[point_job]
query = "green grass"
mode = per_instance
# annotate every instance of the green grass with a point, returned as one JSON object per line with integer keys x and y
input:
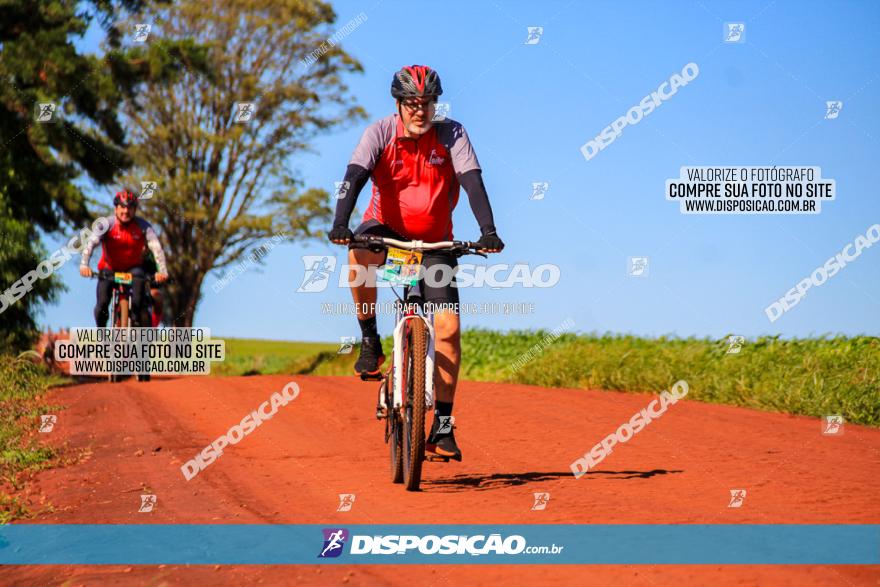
{"x": 21, "y": 384}
{"x": 801, "y": 376}
{"x": 811, "y": 377}
{"x": 269, "y": 357}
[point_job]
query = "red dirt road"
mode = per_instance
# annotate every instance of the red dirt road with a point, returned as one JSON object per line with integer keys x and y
{"x": 132, "y": 438}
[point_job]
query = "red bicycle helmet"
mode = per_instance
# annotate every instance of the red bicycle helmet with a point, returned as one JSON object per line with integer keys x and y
{"x": 126, "y": 198}
{"x": 416, "y": 81}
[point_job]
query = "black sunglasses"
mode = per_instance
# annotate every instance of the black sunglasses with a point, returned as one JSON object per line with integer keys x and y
{"x": 413, "y": 105}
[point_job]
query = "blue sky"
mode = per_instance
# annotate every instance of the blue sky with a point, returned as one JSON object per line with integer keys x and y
{"x": 529, "y": 108}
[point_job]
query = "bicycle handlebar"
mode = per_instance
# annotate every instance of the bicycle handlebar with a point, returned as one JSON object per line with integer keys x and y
{"x": 457, "y": 247}
{"x": 107, "y": 275}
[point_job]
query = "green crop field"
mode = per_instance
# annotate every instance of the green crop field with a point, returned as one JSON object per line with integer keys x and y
{"x": 812, "y": 377}
{"x": 264, "y": 357}
{"x": 803, "y": 376}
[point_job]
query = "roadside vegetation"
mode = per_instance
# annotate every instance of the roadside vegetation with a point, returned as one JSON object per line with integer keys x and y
{"x": 22, "y": 384}
{"x": 264, "y": 357}
{"x": 813, "y": 377}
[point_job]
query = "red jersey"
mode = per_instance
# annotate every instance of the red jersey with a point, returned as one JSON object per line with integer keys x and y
{"x": 124, "y": 245}
{"x": 415, "y": 188}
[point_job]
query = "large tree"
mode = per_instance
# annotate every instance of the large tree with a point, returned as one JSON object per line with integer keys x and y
{"x": 39, "y": 162}
{"x": 224, "y": 186}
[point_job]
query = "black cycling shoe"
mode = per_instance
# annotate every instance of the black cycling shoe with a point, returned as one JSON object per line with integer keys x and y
{"x": 371, "y": 357}
{"x": 443, "y": 444}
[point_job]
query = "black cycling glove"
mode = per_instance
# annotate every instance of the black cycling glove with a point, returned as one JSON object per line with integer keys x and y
{"x": 491, "y": 241}
{"x": 340, "y": 233}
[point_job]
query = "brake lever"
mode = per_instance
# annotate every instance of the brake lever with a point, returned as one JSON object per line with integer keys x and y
{"x": 476, "y": 252}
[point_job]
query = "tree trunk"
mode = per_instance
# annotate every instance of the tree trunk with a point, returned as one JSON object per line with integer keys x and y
{"x": 183, "y": 298}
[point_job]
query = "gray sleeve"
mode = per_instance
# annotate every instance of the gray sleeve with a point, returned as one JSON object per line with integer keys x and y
{"x": 95, "y": 238}
{"x": 370, "y": 147}
{"x": 156, "y": 248}
{"x": 456, "y": 139}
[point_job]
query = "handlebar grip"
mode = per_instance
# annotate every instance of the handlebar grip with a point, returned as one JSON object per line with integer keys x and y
{"x": 366, "y": 238}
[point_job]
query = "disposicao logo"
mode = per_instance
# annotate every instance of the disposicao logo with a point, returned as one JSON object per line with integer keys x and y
{"x": 334, "y": 540}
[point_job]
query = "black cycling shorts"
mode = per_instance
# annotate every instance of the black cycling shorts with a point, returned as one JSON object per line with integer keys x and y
{"x": 445, "y": 294}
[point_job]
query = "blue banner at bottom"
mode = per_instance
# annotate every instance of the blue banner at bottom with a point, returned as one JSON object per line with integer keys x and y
{"x": 149, "y": 544}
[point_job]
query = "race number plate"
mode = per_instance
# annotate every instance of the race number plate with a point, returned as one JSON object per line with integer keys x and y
{"x": 401, "y": 267}
{"x": 123, "y": 278}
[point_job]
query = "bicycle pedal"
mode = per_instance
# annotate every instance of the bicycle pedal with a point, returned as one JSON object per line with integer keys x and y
{"x": 371, "y": 376}
{"x": 434, "y": 458}
{"x": 381, "y": 413}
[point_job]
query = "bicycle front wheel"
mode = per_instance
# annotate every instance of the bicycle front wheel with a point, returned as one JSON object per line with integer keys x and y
{"x": 394, "y": 436}
{"x": 120, "y": 318}
{"x": 414, "y": 409}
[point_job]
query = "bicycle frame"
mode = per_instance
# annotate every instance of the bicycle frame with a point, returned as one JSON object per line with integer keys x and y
{"x": 123, "y": 291}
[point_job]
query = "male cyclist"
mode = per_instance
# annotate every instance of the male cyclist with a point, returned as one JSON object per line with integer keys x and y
{"x": 416, "y": 168}
{"x": 123, "y": 246}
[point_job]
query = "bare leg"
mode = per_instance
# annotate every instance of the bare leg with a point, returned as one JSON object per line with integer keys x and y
{"x": 364, "y": 294}
{"x": 447, "y": 356}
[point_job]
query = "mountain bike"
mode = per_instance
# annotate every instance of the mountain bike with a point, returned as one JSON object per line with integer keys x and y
{"x": 406, "y": 391}
{"x": 120, "y": 304}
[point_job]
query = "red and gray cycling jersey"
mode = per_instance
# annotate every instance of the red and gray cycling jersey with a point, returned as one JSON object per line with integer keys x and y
{"x": 123, "y": 246}
{"x": 415, "y": 188}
